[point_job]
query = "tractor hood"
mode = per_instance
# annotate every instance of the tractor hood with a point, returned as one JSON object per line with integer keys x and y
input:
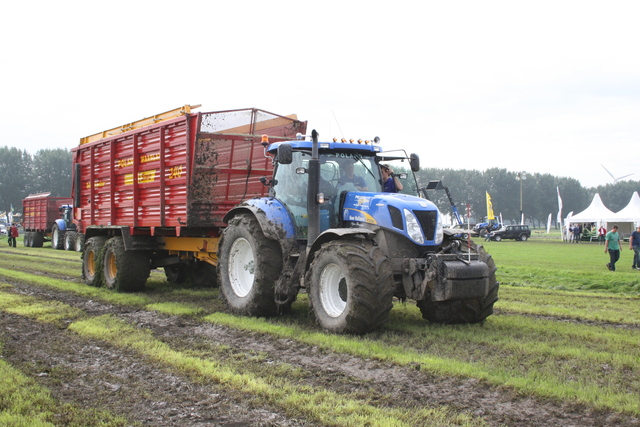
{"x": 416, "y": 218}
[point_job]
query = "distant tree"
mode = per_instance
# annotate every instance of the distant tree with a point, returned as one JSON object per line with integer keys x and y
{"x": 15, "y": 177}
{"x": 616, "y": 196}
{"x": 52, "y": 172}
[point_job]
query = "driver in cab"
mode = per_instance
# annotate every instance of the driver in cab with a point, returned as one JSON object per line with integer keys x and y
{"x": 349, "y": 177}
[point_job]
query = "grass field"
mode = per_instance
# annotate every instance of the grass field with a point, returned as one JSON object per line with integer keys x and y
{"x": 565, "y": 329}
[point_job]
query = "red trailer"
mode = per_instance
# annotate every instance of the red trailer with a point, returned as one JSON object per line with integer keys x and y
{"x": 153, "y": 193}
{"x": 40, "y": 212}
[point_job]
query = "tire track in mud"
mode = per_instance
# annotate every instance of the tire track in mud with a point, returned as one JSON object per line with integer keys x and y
{"x": 396, "y": 386}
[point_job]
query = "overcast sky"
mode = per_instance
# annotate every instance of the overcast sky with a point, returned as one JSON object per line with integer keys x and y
{"x": 549, "y": 87}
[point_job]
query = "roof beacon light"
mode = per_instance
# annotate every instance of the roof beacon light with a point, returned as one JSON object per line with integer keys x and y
{"x": 265, "y": 140}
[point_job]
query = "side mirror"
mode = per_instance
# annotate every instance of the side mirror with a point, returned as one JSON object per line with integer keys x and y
{"x": 414, "y": 161}
{"x": 284, "y": 154}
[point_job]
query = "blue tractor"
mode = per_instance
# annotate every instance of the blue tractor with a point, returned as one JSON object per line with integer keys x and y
{"x": 328, "y": 228}
{"x": 64, "y": 234}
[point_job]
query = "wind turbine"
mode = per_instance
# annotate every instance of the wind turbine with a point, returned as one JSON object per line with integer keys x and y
{"x": 615, "y": 180}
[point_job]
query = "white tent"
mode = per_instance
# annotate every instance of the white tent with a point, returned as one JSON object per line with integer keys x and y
{"x": 596, "y": 212}
{"x": 629, "y": 217}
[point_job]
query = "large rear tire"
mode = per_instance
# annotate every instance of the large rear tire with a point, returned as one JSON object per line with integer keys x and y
{"x": 464, "y": 311}
{"x": 57, "y": 237}
{"x": 350, "y": 285}
{"x": 249, "y": 265}
{"x": 92, "y": 260}
{"x": 124, "y": 271}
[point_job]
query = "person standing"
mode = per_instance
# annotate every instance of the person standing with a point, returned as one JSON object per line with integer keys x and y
{"x": 612, "y": 245}
{"x": 634, "y": 245}
{"x": 601, "y": 233}
{"x": 13, "y": 233}
{"x": 577, "y": 233}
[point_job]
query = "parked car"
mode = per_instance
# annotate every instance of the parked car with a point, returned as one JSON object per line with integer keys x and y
{"x": 517, "y": 232}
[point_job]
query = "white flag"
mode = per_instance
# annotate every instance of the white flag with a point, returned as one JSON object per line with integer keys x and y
{"x": 549, "y": 223}
{"x": 559, "y": 219}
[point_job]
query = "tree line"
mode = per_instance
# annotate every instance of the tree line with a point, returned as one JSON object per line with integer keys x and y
{"x": 21, "y": 174}
{"x": 539, "y": 193}
{"x": 49, "y": 170}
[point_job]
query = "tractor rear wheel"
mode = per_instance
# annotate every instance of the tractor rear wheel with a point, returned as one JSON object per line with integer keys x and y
{"x": 350, "y": 285}
{"x": 249, "y": 265}
{"x": 464, "y": 311}
{"x": 57, "y": 237}
{"x": 124, "y": 271}
{"x": 92, "y": 260}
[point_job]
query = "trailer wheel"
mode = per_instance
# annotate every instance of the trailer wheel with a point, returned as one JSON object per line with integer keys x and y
{"x": 176, "y": 273}
{"x": 249, "y": 265}
{"x": 37, "y": 240}
{"x": 465, "y": 311}
{"x": 124, "y": 271}
{"x": 203, "y": 275}
{"x": 69, "y": 240}
{"x": 92, "y": 257}
{"x": 57, "y": 237}
{"x": 79, "y": 243}
{"x": 350, "y": 285}
{"x": 26, "y": 240}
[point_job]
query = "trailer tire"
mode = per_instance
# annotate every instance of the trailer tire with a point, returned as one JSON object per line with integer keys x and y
{"x": 26, "y": 240}
{"x": 124, "y": 271}
{"x": 79, "y": 243}
{"x": 249, "y": 265}
{"x": 37, "y": 239}
{"x": 203, "y": 275}
{"x": 177, "y": 273}
{"x": 92, "y": 257}
{"x": 69, "y": 240}
{"x": 57, "y": 237}
{"x": 464, "y": 311}
{"x": 350, "y": 285}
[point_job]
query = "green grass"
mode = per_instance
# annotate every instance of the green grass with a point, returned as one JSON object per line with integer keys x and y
{"x": 532, "y": 345}
{"x": 563, "y": 266}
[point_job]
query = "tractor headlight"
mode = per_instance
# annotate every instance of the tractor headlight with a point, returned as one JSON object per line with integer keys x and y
{"x": 439, "y": 231}
{"x": 413, "y": 227}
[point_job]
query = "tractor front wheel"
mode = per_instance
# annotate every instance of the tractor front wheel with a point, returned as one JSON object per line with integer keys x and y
{"x": 350, "y": 286}
{"x": 464, "y": 311}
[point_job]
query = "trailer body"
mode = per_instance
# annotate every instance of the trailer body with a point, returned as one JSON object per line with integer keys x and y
{"x": 164, "y": 188}
{"x": 40, "y": 212}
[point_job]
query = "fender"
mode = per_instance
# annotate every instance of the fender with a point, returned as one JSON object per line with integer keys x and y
{"x": 274, "y": 219}
{"x": 336, "y": 234}
{"x": 62, "y": 226}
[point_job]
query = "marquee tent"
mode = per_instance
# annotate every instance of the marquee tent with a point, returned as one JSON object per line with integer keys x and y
{"x": 628, "y": 217}
{"x": 596, "y": 212}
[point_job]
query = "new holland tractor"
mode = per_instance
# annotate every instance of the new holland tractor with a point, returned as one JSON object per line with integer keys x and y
{"x": 328, "y": 228}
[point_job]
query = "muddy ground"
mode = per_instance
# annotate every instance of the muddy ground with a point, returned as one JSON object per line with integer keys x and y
{"x": 92, "y": 373}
